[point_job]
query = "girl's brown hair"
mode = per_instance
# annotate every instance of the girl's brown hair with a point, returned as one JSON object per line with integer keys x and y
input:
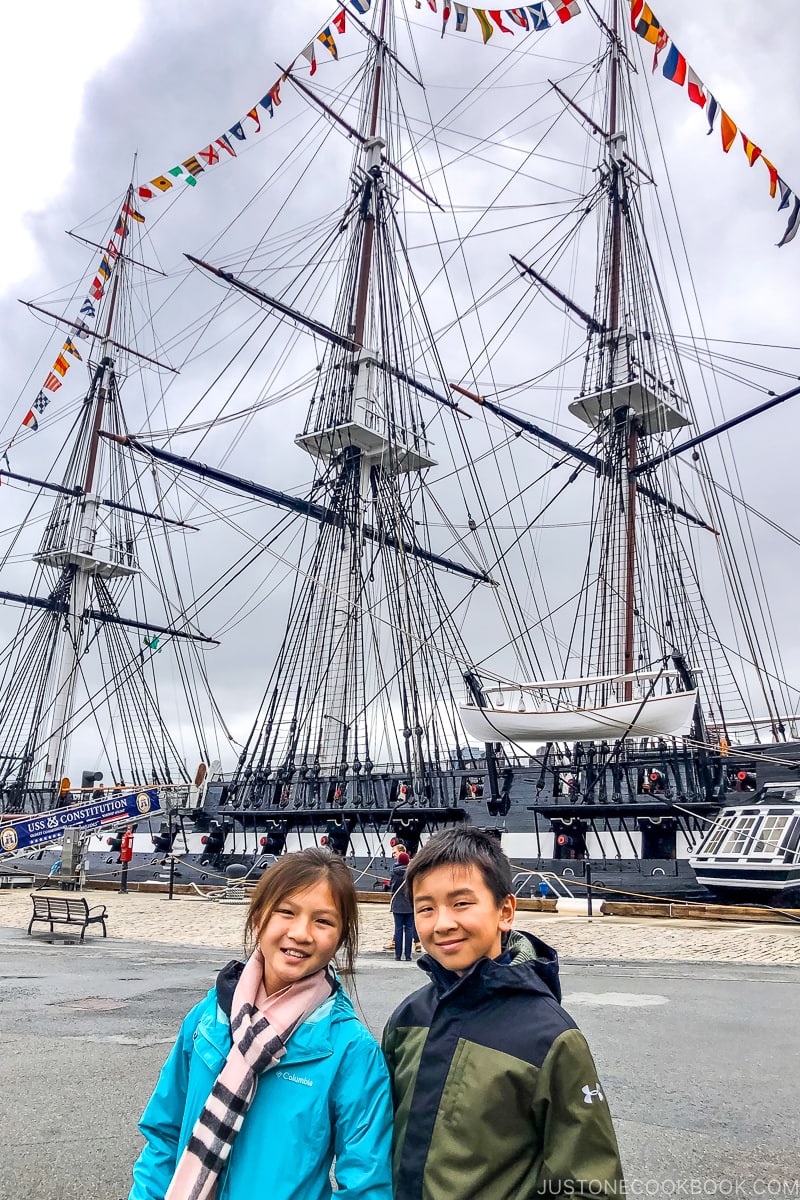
{"x": 297, "y": 873}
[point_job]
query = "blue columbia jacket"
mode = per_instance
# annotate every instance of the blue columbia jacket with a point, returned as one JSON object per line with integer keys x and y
{"x": 329, "y": 1096}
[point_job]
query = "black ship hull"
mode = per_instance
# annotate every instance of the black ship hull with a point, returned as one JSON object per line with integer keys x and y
{"x": 635, "y": 821}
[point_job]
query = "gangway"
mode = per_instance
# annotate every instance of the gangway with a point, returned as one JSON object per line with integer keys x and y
{"x": 558, "y": 885}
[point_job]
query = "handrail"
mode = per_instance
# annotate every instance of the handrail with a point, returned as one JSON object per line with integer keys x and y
{"x": 548, "y": 877}
{"x": 588, "y": 681}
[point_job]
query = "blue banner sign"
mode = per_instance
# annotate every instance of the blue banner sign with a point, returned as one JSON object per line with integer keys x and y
{"x": 49, "y": 827}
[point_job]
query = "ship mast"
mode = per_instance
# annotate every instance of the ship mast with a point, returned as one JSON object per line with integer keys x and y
{"x": 334, "y": 746}
{"x": 373, "y": 147}
{"x": 366, "y": 440}
{"x": 78, "y": 556}
{"x": 358, "y": 706}
{"x": 626, "y": 401}
{"x": 616, "y": 141}
{"x": 76, "y": 661}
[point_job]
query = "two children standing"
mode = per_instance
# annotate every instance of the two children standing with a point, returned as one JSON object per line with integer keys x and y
{"x": 485, "y": 1088}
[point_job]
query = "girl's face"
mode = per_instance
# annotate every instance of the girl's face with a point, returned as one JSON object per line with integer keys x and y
{"x": 301, "y": 936}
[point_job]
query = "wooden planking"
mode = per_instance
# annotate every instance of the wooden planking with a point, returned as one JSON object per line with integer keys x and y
{"x": 702, "y": 912}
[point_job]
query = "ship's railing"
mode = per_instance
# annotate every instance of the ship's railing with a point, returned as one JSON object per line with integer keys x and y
{"x": 534, "y": 694}
{"x": 373, "y": 417}
{"x": 558, "y": 886}
{"x": 179, "y": 796}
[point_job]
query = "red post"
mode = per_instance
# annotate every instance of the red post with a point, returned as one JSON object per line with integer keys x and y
{"x": 125, "y": 856}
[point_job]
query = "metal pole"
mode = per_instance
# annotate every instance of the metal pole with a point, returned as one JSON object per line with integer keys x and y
{"x": 82, "y": 865}
{"x": 171, "y": 860}
{"x": 588, "y": 889}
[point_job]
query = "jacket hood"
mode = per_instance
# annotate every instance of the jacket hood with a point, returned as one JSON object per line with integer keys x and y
{"x": 229, "y": 977}
{"x": 526, "y": 964}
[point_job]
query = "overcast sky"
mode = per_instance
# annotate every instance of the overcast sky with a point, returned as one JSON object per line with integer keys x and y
{"x": 62, "y": 80}
{"x": 86, "y": 89}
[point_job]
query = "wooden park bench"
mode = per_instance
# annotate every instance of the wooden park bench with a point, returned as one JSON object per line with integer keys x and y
{"x": 67, "y": 910}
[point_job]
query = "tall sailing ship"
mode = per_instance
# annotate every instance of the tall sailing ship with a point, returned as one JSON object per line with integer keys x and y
{"x": 436, "y": 662}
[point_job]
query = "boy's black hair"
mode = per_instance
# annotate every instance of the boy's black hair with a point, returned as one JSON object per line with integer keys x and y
{"x": 464, "y": 847}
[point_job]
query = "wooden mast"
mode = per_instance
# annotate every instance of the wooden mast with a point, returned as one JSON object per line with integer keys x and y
{"x": 106, "y": 367}
{"x": 81, "y": 554}
{"x": 369, "y": 217}
{"x": 617, "y": 336}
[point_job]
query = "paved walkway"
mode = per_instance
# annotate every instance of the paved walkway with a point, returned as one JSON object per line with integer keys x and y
{"x": 199, "y": 922}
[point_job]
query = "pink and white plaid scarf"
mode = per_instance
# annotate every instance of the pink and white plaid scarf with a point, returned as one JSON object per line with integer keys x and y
{"x": 261, "y": 1026}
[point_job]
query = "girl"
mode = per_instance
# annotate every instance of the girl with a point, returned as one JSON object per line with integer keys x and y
{"x": 273, "y": 1075}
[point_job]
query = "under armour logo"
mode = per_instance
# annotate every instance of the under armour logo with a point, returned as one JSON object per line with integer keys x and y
{"x": 590, "y": 1093}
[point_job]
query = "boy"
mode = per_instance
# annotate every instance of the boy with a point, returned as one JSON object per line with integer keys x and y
{"x": 496, "y": 1095}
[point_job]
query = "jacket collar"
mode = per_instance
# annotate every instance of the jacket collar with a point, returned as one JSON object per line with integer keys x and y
{"x": 230, "y": 975}
{"x": 310, "y": 1040}
{"x": 526, "y": 964}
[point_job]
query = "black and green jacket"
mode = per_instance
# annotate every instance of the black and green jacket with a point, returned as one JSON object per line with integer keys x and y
{"x": 496, "y": 1094}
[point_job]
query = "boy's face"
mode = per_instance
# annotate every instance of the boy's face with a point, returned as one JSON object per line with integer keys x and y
{"x": 457, "y": 917}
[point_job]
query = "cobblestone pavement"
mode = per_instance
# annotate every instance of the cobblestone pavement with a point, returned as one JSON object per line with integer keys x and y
{"x": 198, "y": 922}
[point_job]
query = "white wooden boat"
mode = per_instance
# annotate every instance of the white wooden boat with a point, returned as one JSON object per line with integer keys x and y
{"x": 531, "y": 717}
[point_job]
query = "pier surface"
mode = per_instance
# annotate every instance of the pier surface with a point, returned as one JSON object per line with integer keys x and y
{"x": 194, "y": 921}
{"x": 693, "y": 1027}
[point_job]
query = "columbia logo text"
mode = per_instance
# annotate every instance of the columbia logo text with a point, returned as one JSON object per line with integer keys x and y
{"x": 291, "y": 1078}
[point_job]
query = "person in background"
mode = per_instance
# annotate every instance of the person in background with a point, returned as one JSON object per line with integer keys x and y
{"x": 402, "y": 909}
{"x": 273, "y": 1076}
{"x": 399, "y": 848}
